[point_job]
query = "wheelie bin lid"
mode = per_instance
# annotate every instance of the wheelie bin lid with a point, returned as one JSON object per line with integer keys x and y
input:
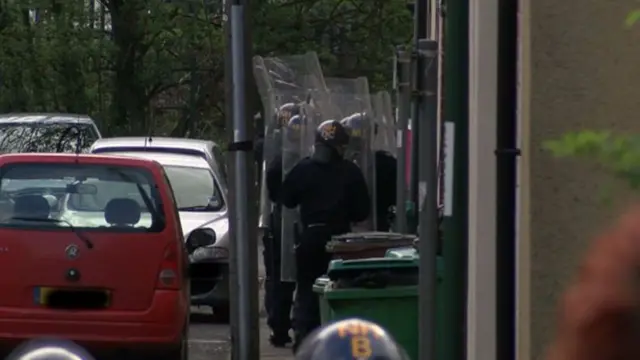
{"x": 371, "y": 263}
{"x": 350, "y": 278}
{"x": 372, "y": 236}
{"x": 333, "y": 293}
{"x": 346, "y": 268}
{"x": 368, "y": 240}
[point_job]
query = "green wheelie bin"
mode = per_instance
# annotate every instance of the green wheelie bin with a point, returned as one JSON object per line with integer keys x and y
{"x": 382, "y": 290}
{"x": 319, "y": 288}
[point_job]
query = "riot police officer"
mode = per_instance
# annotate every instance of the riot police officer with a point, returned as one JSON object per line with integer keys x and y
{"x": 331, "y": 194}
{"x": 385, "y": 170}
{"x": 386, "y": 182}
{"x": 49, "y": 349}
{"x": 278, "y": 294}
{"x": 351, "y": 339}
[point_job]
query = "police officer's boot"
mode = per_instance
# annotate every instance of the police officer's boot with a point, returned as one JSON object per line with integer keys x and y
{"x": 279, "y": 340}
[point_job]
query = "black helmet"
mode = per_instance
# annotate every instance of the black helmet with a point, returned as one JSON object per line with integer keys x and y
{"x": 50, "y": 349}
{"x": 332, "y": 133}
{"x": 350, "y": 339}
{"x": 285, "y": 112}
{"x": 355, "y": 124}
{"x": 294, "y": 127}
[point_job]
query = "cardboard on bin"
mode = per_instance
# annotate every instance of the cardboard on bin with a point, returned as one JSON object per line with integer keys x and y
{"x": 368, "y": 240}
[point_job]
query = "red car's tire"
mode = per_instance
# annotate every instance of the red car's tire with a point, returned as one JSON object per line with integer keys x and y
{"x": 179, "y": 353}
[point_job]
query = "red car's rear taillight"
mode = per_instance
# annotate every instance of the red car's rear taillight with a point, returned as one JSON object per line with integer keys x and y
{"x": 169, "y": 277}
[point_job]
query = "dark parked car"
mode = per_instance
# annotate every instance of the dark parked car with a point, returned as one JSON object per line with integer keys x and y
{"x": 46, "y": 133}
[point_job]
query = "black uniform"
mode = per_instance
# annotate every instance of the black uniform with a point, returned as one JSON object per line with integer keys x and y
{"x": 386, "y": 168}
{"x": 278, "y": 294}
{"x": 331, "y": 194}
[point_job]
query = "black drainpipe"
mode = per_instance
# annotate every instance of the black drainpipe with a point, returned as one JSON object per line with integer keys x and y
{"x": 506, "y": 153}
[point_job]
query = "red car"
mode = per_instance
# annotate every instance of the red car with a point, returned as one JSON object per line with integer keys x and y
{"x": 91, "y": 250}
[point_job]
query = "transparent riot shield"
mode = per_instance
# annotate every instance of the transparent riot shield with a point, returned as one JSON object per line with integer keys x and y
{"x": 383, "y": 142}
{"x": 351, "y": 100}
{"x": 388, "y": 124}
{"x": 377, "y": 139}
{"x": 296, "y": 84}
{"x": 272, "y": 132}
{"x": 384, "y": 131}
{"x": 377, "y": 143}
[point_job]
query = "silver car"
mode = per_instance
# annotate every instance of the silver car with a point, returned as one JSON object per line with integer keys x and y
{"x": 200, "y": 191}
{"x": 208, "y": 150}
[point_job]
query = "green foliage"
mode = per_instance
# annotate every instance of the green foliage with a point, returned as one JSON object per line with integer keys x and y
{"x": 632, "y": 18}
{"x": 618, "y": 153}
{"x": 141, "y": 64}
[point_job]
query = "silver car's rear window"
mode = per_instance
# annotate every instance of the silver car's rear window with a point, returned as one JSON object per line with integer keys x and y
{"x": 46, "y": 137}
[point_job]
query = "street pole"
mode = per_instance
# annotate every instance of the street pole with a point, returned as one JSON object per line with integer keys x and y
{"x": 456, "y": 148}
{"x": 420, "y": 27}
{"x": 403, "y": 100}
{"x": 428, "y": 190}
{"x": 243, "y": 269}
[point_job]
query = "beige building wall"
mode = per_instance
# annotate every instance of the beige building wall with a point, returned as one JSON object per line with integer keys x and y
{"x": 580, "y": 69}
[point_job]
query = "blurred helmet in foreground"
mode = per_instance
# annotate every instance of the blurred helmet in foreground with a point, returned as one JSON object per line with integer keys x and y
{"x": 348, "y": 340}
{"x": 50, "y": 349}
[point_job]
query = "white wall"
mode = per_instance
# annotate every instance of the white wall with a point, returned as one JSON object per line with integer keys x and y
{"x": 483, "y": 66}
{"x": 523, "y": 228}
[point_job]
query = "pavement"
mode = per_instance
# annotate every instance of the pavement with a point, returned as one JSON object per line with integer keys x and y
{"x": 209, "y": 339}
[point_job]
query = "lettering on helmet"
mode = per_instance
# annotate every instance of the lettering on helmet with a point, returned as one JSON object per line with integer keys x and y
{"x": 360, "y": 335}
{"x": 356, "y": 132}
{"x": 284, "y": 116}
{"x": 357, "y": 328}
{"x": 361, "y": 347}
{"x": 328, "y": 132}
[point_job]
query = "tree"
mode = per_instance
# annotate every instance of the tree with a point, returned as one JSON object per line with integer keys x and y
{"x": 157, "y": 65}
{"x": 352, "y": 37}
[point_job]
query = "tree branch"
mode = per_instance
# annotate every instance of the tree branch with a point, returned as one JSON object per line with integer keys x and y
{"x": 160, "y": 88}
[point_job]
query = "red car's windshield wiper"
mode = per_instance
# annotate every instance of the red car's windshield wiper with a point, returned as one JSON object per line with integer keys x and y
{"x": 79, "y": 234}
